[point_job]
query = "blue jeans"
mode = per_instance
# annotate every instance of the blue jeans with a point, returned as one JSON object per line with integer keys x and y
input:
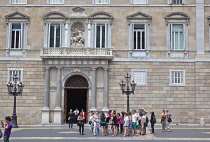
{"x": 6, "y": 138}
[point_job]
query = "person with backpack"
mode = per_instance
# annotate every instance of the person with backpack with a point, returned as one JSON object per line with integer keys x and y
{"x": 153, "y": 121}
{"x": 168, "y": 120}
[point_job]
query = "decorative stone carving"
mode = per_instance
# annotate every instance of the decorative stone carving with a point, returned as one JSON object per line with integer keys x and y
{"x": 78, "y": 12}
{"x": 77, "y": 37}
{"x": 69, "y": 71}
{"x": 77, "y": 81}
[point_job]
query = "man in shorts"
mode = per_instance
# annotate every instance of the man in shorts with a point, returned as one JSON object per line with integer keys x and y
{"x": 134, "y": 122}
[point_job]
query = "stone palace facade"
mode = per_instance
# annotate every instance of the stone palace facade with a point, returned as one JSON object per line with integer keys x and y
{"x": 74, "y": 53}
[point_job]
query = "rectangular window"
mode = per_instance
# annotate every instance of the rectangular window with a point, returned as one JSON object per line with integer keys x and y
{"x": 12, "y": 72}
{"x": 139, "y": 37}
{"x": 139, "y": 1}
{"x": 177, "y": 78}
{"x": 55, "y": 36}
{"x": 16, "y": 36}
{"x": 139, "y": 77}
{"x": 177, "y": 37}
{"x": 18, "y": 1}
{"x": 100, "y": 36}
{"x": 101, "y": 1}
{"x": 176, "y": 1}
{"x": 56, "y": 2}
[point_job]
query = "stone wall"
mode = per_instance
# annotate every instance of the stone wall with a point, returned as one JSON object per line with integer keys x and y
{"x": 31, "y": 102}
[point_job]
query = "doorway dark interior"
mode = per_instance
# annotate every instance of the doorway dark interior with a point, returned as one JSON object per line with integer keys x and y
{"x": 76, "y": 98}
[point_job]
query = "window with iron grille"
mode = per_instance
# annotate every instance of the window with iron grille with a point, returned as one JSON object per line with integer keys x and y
{"x": 18, "y": 1}
{"x": 15, "y": 71}
{"x": 101, "y": 1}
{"x": 55, "y": 1}
{"x": 177, "y": 77}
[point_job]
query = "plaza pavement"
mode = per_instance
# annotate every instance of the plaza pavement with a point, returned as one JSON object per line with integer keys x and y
{"x": 61, "y": 133}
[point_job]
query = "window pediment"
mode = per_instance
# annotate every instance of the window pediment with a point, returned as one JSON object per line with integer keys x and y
{"x": 139, "y": 16}
{"x": 177, "y": 16}
{"x": 17, "y": 15}
{"x": 101, "y": 15}
{"x": 54, "y": 15}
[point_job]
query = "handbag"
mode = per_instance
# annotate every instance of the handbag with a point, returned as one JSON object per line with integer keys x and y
{"x": 169, "y": 120}
{"x": 69, "y": 118}
{"x": 1, "y": 134}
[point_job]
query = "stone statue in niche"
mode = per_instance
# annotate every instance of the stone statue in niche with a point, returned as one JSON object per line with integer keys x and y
{"x": 77, "y": 35}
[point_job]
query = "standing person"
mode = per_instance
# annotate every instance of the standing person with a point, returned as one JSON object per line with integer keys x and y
{"x": 126, "y": 124}
{"x": 168, "y": 120}
{"x": 108, "y": 118}
{"x": 84, "y": 114}
{"x": 80, "y": 120}
{"x": 153, "y": 121}
{"x": 7, "y": 128}
{"x": 119, "y": 123}
{"x": 114, "y": 122}
{"x": 130, "y": 123}
{"x": 70, "y": 118}
{"x": 103, "y": 124}
{"x": 95, "y": 123}
{"x": 110, "y": 113}
{"x": 163, "y": 120}
{"x": 91, "y": 122}
{"x": 134, "y": 122}
{"x": 76, "y": 113}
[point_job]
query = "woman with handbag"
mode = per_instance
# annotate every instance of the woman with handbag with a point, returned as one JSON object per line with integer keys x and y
{"x": 71, "y": 118}
{"x": 103, "y": 124}
{"x": 80, "y": 120}
{"x": 163, "y": 120}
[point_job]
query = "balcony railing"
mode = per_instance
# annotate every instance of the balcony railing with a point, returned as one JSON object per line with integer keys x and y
{"x": 68, "y": 52}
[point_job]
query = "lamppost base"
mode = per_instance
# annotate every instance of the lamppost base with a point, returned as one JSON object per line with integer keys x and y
{"x": 14, "y": 121}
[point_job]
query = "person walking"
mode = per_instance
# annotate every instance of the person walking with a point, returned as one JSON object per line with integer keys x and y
{"x": 163, "y": 120}
{"x": 95, "y": 124}
{"x": 80, "y": 120}
{"x": 103, "y": 123}
{"x": 168, "y": 120}
{"x": 7, "y": 125}
{"x": 76, "y": 113}
{"x": 84, "y": 114}
{"x": 70, "y": 118}
{"x": 152, "y": 122}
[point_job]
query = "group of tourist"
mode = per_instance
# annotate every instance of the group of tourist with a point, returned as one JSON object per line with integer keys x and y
{"x": 131, "y": 123}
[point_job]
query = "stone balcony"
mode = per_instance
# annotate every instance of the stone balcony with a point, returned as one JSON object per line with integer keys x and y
{"x": 80, "y": 53}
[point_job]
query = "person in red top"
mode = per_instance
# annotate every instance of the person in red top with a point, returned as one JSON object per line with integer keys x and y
{"x": 84, "y": 115}
{"x": 119, "y": 123}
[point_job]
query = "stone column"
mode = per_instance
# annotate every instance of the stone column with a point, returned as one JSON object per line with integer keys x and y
{"x": 200, "y": 26}
{"x": 58, "y": 110}
{"x": 46, "y": 110}
{"x": 105, "y": 94}
{"x": 93, "y": 91}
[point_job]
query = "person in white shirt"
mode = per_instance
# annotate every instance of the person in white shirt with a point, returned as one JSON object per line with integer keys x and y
{"x": 134, "y": 122}
{"x": 76, "y": 113}
{"x": 126, "y": 124}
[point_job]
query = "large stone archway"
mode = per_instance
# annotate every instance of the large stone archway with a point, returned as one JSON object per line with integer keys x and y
{"x": 75, "y": 94}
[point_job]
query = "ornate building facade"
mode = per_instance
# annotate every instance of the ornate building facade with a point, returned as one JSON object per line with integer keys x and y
{"x": 73, "y": 54}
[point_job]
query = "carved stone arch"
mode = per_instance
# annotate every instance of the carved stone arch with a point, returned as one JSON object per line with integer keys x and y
{"x": 101, "y": 15}
{"x": 139, "y": 16}
{"x": 177, "y": 16}
{"x": 76, "y": 74}
{"x": 55, "y": 15}
{"x": 76, "y": 81}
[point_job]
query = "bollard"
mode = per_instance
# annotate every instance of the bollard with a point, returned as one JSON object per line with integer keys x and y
{"x": 202, "y": 122}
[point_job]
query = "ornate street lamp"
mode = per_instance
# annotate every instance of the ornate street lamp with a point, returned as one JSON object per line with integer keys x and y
{"x": 127, "y": 88}
{"x": 15, "y": 90}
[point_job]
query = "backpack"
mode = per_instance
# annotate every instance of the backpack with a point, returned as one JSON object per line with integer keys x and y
{"x": 154, "y": 120}
{"x": 147, "y": 121}
{"x": 169, "y": 119}
{"x": 1, "y": 134}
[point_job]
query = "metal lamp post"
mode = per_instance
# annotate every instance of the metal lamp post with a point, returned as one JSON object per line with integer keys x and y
{"x": 127, "y": 88}
{"x": 15, "y": 89}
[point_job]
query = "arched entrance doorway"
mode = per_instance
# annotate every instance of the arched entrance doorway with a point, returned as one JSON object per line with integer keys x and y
{"x": 76, "y": 94}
